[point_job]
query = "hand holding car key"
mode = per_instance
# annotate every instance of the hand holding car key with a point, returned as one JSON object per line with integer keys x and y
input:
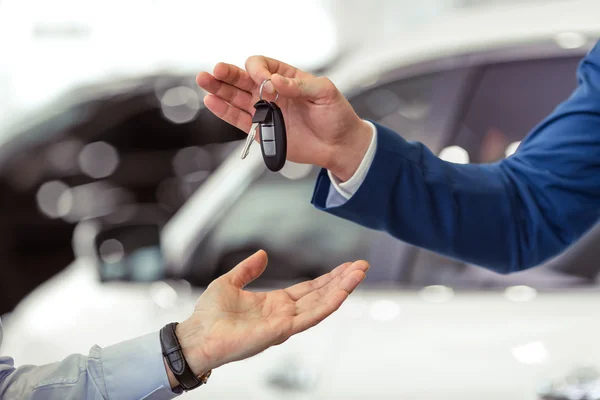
{"x": 321, "y": 126}
{"x": 268, "y": 121}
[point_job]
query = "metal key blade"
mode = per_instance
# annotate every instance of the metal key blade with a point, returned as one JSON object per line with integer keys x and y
{"x": 249, "y": 140}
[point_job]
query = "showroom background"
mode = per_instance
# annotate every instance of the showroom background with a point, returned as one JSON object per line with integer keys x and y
{"x": 123, "y": 197}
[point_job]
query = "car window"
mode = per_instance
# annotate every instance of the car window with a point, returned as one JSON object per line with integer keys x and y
{"x": 402, "y": 105}
{"x": 275, "y": 214}
{"x": 509, "y": 100}
{"x": 507, "y": 103}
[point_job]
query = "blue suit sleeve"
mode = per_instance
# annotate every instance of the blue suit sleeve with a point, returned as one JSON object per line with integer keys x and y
{"x": 507, "y": 216}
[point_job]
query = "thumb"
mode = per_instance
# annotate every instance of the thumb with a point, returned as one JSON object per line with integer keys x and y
{"x": 312, "y": 88}
{"x": 248, "y": 270}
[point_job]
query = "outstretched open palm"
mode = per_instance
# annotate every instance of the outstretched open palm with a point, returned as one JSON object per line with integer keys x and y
{"x": 230, "y": 324}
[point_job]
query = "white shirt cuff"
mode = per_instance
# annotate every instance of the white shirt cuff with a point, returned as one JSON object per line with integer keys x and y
{"x": 348, "y": 188}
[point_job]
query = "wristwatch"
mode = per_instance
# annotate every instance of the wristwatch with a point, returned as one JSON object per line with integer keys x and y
{"x": 172, "y": 352}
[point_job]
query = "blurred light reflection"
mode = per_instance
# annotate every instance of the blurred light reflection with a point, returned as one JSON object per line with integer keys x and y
{"x": 62, "y": 156}
{"x": 192, "y": 159}
{"x": 180, "y": 104}
{"x": 384, "y": 310}
{"x": 531, "y": 353}
{"x": 436, "y": 293}
{"x": 454, "y": 154}
{"x": 91, "y": 200}
{"x": 520, "y": 294}
{"x": 163, "y": 294}
{"x": 48, "y": 199}
{"x": 98, "y": 160}
{"x": 383, "y": 102}
{"x": 570, "y": 40}
{"x": 111, "y": 251}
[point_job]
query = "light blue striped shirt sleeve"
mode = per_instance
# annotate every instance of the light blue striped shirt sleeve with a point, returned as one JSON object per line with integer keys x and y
{"x": 133, "y": 369}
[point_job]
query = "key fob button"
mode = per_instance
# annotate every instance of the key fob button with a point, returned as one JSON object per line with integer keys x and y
{"x": 267, "y": 132}
{"x": 269, "y": 148}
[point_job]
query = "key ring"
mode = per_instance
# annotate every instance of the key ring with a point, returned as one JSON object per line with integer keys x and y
{"x": 262, "y": 85}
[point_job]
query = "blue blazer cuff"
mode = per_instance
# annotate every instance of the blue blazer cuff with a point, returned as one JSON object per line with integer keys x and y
{"x": 373, "y": 195}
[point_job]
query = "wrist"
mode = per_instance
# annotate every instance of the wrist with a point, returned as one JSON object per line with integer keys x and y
{"x": 192, "y": 340}
{"x": 346, "y": 156}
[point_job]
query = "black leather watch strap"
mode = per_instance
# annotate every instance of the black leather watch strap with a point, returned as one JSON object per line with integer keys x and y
{"x": 172, "y": 352}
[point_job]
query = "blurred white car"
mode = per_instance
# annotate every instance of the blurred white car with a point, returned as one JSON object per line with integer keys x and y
{"x": 422, "y": 326}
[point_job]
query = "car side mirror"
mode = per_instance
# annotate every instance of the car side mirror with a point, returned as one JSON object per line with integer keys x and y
{"x": 124, "y": 245}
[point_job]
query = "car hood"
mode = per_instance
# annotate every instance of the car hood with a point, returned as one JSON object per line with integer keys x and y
{"x": 381, "y": 344}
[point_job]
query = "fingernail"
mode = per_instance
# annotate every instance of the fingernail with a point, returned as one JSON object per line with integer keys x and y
{"x": 269, "y": 87}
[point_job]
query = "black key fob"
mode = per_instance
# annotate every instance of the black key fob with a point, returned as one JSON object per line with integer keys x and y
{"x": 264, "y": 112}
{"x": 273, "y": 139}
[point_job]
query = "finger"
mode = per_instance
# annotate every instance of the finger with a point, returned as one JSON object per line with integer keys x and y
{"x": 248, "y": 270}
{"x": 228, "y": 113}
{"x": 328, "y": 305}
{"x": 342, "y": 282}
{"x": 236, "y": 97}
{"x": 302, "y": 289}
{"x": 261, "y": 68}
{"x": 311, "y": 88}
{"x": 234, "y": 75}
{"x": 352, "y": 280}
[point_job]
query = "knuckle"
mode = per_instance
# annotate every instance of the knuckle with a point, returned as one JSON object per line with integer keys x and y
{"x": 231, "y": 116}
{"x": 313, "y": 284}
{"x": 221, "y": 90}
{"x": 235, "y": 97}
{"x": 234, "y": 75}
{"x": 301, "y": 84}
{"x": 236, "y": 117}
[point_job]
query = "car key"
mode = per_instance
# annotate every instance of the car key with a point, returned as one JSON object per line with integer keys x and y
{"x": 268, "y": 120}
{"x": 273, "y": 140}
{"x": 263, "y": 114}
